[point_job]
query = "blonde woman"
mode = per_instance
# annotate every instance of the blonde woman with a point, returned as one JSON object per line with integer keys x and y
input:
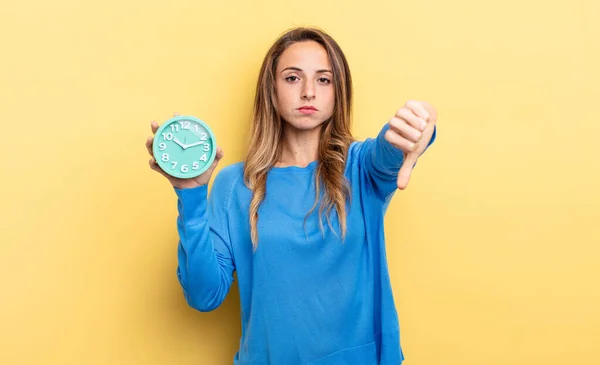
{"x": 300, "y": 220}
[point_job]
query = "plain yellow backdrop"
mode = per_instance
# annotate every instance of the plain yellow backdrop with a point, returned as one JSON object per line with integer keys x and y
{"x": 493, "y": 249}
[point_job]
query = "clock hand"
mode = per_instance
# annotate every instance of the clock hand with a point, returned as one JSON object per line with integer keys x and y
{"x": 195, "y": 144}
{"x": 184, "y": 146}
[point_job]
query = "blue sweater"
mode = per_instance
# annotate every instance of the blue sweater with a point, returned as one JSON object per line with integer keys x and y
{"x": 307, "y": 297}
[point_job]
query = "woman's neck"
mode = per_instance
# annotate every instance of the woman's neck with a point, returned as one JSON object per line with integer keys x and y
{"x": 299, "y": 147}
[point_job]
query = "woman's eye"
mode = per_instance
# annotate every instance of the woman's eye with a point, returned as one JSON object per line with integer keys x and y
{"x": 324, "y": 80}
{"x": 291, "y": 78}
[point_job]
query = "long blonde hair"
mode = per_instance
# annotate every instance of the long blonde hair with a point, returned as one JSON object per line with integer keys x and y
{"x": 267, "y": 130}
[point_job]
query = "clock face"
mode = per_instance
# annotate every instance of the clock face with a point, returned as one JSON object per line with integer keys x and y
{"x": 184, "y": 147}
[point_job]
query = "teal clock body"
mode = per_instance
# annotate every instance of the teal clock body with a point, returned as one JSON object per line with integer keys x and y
{"x": 184, "y": 147}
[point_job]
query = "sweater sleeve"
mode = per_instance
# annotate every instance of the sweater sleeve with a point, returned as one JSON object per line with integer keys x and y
{"x": 381, "y": 162}
{"x": 205, "y": 260}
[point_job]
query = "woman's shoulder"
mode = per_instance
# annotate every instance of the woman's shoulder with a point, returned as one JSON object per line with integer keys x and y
{"x": 228, "y": 183}
{"x": 354, "y": 151}
{"x": 231, "y": 174}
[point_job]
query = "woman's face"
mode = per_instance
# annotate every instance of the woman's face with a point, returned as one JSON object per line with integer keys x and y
{"x": 304, "y": 85}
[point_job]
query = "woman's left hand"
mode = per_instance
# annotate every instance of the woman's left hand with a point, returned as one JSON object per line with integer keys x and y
{"x": 411, "y": 130}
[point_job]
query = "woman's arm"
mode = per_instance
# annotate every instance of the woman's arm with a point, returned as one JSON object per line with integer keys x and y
{"x": 205, "y": 260}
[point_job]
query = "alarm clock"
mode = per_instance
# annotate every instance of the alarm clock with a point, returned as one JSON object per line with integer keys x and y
{"x": 184, "y": 147}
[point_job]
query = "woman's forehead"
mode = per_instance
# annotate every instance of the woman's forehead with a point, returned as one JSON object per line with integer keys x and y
{"x": 307, "y": 56}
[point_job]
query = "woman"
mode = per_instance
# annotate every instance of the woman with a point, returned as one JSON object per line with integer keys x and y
{"x": 301, "y": 219}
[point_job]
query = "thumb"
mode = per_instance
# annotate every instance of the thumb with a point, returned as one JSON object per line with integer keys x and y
{"x": 219, "y": 155}
{"x": 204, "y": 178}
{"x": 406, "y": 170}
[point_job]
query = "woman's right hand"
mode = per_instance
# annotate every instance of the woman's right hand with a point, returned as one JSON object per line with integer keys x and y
{"x": 178, "y": 183}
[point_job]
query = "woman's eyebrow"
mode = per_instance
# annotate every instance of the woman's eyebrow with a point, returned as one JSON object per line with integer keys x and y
{"x": 293, "y": 68}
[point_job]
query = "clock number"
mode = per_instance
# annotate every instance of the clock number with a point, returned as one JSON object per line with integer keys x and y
{"x": 196, "y": 127}
{"x": 206, "y": 147}
{"x": 203, "y": 137}
{"x": 162, "y": 146}
{"x": 167, "y": 136}
{"x": 184, "y": 168}
{"x": 174, "y": 164}
{"x": 165, "y": 157}
{"x": 204, "y": 158}
{"x": 185, "y": 124}
{"x": 174, "y": 128}
{"x": 195, "y": 165}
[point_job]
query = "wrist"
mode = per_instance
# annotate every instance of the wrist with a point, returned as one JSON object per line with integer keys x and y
{"x": 185, "y": 186}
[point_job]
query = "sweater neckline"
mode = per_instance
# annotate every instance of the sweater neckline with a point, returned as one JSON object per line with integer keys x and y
{"x": 308, "y": 168}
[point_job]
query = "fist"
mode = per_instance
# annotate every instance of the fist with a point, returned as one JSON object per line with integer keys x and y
{"x": 411, "y": 129}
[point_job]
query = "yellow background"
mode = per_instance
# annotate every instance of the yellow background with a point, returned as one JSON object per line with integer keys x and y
{"x": 493, "y": 250}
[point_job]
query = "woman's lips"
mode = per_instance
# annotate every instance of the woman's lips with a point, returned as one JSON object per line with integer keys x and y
{"x": 307, "y": 109}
